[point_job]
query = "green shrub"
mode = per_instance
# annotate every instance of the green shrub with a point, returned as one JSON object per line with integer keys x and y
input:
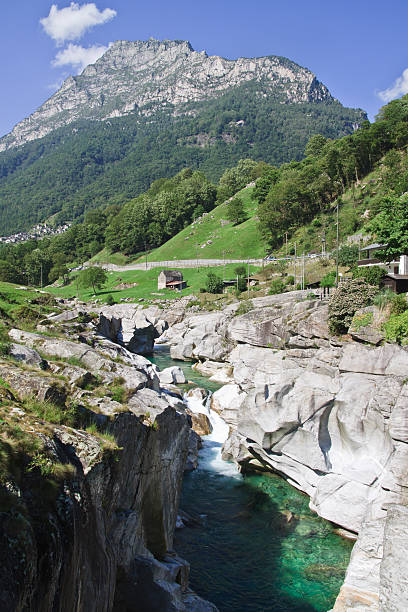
{"x": 399, "y": 304}
{"x": 277, "y": 286}
{"x": 240, "y": 271}
{"x": 244, "y": 307}
{"x": 110, "y": 300}
{"x": 47, "y": 411}
{"x": 214, "y": 284}
{"x": 290, "y": 280}
{"x": 26, "y": 314}
{"x": 75, "y": 361}
{"x": 241, "y": 284}
{"x": 118, "y": 393}
{"x": 350, "y": 296}
{"x": 328, "y": 280}
{"x": 372, "y": 274}
{"x": 348, "y": 255}
{"x": 361, "y": 320}
{"x": 396, "y": 328}
{"x": 383, "y": 298}
{"x": 4, "y": 349}
{"x": 42, "y": 462}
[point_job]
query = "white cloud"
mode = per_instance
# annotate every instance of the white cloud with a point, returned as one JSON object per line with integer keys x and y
{"x": 399, "y": 88}
{"x": 78, "y": 57}
{"x": 71, "y": 22}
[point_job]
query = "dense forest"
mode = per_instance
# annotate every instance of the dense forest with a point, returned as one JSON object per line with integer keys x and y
{"x": 89, "y": 164}
{"x": 288, "y": 197}
{"x": 293, "y": 194}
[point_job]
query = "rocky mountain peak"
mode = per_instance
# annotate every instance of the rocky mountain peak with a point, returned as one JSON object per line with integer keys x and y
{"x": 145, "y": 77}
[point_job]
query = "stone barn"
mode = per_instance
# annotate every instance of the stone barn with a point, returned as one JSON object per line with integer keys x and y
{"x": 171, "y": 279}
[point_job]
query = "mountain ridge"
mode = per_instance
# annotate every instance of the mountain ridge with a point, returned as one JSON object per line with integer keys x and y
{"x": 152, "y": 75}
{"x": 146, "y": 110}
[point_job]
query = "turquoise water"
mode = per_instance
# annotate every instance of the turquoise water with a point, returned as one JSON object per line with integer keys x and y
{"x": 259, "y": 547}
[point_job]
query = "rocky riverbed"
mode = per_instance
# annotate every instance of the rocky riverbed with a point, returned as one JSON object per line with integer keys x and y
{"x": 327, "y": 414}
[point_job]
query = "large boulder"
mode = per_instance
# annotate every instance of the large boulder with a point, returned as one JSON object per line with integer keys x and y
{"x": 136, "y": 376}
{"x": 131, "y": 326}
{"x": 227, "y": 402}
{"x": 260, "y": 327}
{"x": 200, "y": 337}
{"x": 200, "y": 423}
{"x": 172, "y": 375}
{"x": 366, "y": 325}
{"x": 34, "y": 385}
{"x": 254, "y": 366}
{"x": 215, "y": 370}
{"x": 20, "y": 352}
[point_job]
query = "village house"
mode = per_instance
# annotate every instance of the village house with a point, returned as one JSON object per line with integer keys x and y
{"x": 396, "y": 277}
{"x": 171, "y": 279}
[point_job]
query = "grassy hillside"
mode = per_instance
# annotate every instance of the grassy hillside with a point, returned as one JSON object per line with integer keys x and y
{"x": 245, "y": 240}
{"x": 145, "y": 284}
{"x": 235, "y": 241}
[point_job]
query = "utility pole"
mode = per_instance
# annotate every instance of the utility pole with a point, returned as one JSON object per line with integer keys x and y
{"x": 324, "y": 243}
{"x": 41, "y": 275}
{"x": 286, "y": 243}
{"x": 248, "y": 281}
{"x": 337, "y": 245}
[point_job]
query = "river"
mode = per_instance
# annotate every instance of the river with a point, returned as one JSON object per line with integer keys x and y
{"x": 259, "y": 548}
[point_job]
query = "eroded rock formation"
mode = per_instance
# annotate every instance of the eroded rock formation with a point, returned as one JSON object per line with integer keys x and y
{"x": 98, "y": 538}
{"x": 328, "y": 415}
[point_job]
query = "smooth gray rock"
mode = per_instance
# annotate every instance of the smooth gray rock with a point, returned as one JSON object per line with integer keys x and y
{"x": 372, "y": 331}
{"x": 361, "y": 585}
{"x": 127, "y": 324}
{"x": 227, "y": 401}
{"x": 135, "y": 377}
{"x": 399, "y": 417}
{"x": 387, "y": 360}
{"x": 260, "y": 327}
{"x": 172, "y": 375}
{"x": 216, "y": 371}
{"x": 394, "y": 564}
{"x": 20, "y": 352}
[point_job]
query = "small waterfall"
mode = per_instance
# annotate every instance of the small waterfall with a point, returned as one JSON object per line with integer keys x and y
{"x": 210, "y": 458}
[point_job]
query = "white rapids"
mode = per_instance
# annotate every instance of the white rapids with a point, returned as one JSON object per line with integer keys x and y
{"x": 210, "y": 458}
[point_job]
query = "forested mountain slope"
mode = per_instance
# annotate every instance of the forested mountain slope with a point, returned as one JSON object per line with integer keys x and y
{"x": 145, "y": 111}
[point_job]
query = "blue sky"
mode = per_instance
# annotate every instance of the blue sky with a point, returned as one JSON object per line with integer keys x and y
{"x": 357, "y": 48}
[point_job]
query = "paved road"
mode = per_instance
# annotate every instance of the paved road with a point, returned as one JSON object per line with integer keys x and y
{"x": 179, "y": 263}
